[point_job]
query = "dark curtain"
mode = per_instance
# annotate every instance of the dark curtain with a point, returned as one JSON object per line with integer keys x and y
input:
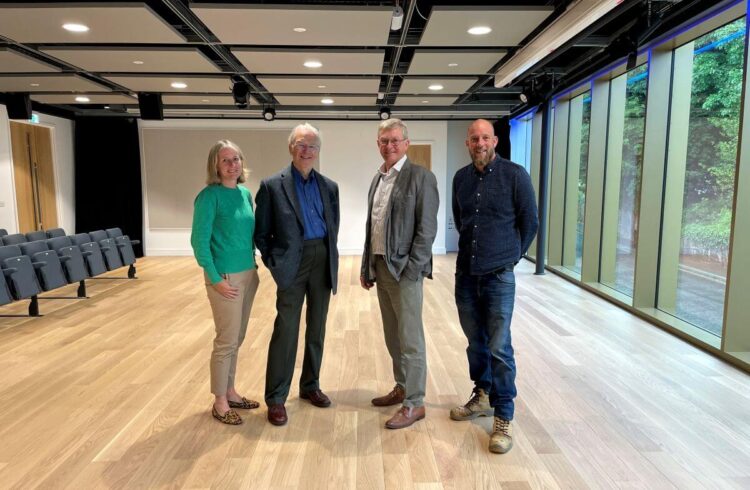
{"x": 108, "y": 177}
{"x": 502, "y": 131}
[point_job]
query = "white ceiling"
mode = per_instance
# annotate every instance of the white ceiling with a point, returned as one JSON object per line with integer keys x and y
{"x": 325, "y": 25}
{"x": 177, "y": 60}
{"x": 257, "y": 43}
{"x": 69, "y": 99}
{"x": 448, "y": 26}
{"x": 124, "y": 23}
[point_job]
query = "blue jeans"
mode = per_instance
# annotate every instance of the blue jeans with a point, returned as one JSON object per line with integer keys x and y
{"x": 485, "y": 308}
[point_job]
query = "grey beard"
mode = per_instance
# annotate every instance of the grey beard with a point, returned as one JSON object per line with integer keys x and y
{"x": 482, "y": 162}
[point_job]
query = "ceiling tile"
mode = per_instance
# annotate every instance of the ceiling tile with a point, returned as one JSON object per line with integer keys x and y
{"x": 124, "y": 23}
{"x": 122, "y": 59}
{"x": 425, "y": 101}
{"x": 466, "y": 62}
{"x": 15, "y": 62}
{"x": 320, "y": 85}
{"x": 292, "y": 62}
{"x": 325, "y": 25}
{"x": 450, "y": 85}
{"x": 69, "y": 99}
{"x": 163, "y": 84}
{"x": 316, "y": 100}
{"x": 205, "y": 99}
{"x": 49, "y": 83}
{"x": 448, "y": 25}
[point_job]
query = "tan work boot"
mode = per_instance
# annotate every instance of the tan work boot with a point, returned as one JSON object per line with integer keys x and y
{"x": 501, "y": 440}
{"x": 477, "y": 406}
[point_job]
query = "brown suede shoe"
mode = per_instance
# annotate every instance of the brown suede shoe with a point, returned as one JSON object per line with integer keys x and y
{"x": 395, "y": 397}
{"x": 405, "y": 417}
{"x": 317, "y": 398}
{"x": 277, "y": 414}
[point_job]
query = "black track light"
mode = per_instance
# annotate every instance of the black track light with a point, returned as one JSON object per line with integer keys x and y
{"x": 384, "y": 113}
{"x": 240, "y": 92}
{"x": 269, "y": 114}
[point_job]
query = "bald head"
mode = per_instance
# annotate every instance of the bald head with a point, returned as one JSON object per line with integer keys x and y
{"x": 481, "y": 142}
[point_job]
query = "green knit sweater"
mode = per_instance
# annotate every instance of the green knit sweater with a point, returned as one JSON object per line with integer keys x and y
{"x": 223, "y": 227}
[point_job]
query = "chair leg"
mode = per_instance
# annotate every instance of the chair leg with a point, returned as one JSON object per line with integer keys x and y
{"x": 82, "y": 289}
{"x": 34, "y": 306}
{"x": 131, "y": 272}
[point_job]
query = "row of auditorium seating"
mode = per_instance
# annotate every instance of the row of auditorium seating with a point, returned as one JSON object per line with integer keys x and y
{"x": 41, "y": 261}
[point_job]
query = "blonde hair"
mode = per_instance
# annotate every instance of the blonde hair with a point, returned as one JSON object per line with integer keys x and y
{"x": 393, "y": 123}
{"x": 212, "y": 166}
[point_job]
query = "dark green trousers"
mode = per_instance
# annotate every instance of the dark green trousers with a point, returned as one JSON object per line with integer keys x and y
{"x": 312, "y": 283}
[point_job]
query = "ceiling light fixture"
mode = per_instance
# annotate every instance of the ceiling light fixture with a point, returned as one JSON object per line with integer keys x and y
{"x": 425, "y": 101}
{"x": 205, "y": 100}
{"x": 321, "y": 86}
{"x": 82, "y": 99}
{"x": 479, "y": 30}
{"x": 269, "y": 114}
{"x": 435, "y": 87}
{"x": 313, "y": 64}
{"x": 384, "y": 113}
{"x": 299, "y": 29}
{"x": 106, "y": 107}
{"x": 137, "y": 62}
{"x": 75, "y": 27}
{"x": 398, "y": 18}
{"x": 326, "y": 101}
{"x": 452, "y": 65}
{"x": 179, "y": 85}
{"x": 34, "y": 84}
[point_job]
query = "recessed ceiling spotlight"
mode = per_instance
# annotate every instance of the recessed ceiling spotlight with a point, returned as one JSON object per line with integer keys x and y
{"x": 321, "y": 86}
{"x": 34, "y": 84}
{"x": 435, "y": 87}
{"x": 82, "y": 99}
{"x": 179, "y": 85}
{"x": 479, "y": 30}
{"x": 425, "y": 101}
{"x": 205, "y": 100}
{"x": 326, "y": 101}
{"x": 452, "y": 65}
{"x": 313, "y": 64}
{"x": 75, "y": 27}
{"x": 137, "y": 62}
{"x": 299, "y": 29}
{"x": 106, "y": 107}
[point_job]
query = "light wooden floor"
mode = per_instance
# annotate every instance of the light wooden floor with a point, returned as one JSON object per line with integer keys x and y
{"x": 113, "y": 392}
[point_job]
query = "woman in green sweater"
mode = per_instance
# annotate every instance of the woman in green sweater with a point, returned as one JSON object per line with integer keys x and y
{"x": 222, "y": 240}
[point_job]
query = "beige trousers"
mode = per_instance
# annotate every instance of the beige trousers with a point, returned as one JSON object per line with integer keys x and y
{"x": 230, "y": 319}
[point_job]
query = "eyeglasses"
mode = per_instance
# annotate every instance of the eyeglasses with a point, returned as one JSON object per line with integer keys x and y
{"x": 391, "y": 142}
{"x": 305, "y": 147}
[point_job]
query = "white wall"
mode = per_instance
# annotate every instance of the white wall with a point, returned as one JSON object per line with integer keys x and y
{"x": 62, "y": 150}
{"x": 349, "y": 156}
{"x": 458, "y": 156}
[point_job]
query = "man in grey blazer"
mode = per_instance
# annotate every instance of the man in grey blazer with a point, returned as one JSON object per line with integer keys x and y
{"x": 401, "y": 226}
{"x": 296, "y": 230}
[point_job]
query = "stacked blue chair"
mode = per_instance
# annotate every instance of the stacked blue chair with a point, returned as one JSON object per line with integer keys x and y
{"x": 125, "y": 246}
{"x": 56, "y": 232}
{"x": 19, "y": 271}
{"x": 33, "y": 236}
{"x": 91, "y": 252}
{"x": 13, "y": 239}
{"x": 109, "y": 249}
{"x": 73, "y": 261}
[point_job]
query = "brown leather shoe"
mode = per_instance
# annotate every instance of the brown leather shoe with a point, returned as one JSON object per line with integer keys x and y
{"x": 405, "y": 417}
{"x": 277, "y": 414}
{"x": 395, "y": 397}
{"x": 317, "y": 398}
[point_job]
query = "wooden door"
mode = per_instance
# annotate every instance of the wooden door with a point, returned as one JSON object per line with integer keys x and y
{"x": 420, "y": 155}
{"x": 34, "y": 177}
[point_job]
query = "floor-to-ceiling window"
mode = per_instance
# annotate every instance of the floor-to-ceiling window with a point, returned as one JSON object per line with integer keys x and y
{"x": 700, "y": 180}
{"x": 579, "y": 128}
{"x": 627, "y": 122}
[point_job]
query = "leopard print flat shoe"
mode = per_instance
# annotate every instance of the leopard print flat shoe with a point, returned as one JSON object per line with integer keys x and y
{"x": 230, "y": 417}
{"x": 244, "y": 403}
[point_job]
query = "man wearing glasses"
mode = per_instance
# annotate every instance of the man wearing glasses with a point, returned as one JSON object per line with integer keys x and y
{"x": 296, "y": 229}
{"x": 401, "y": 226}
